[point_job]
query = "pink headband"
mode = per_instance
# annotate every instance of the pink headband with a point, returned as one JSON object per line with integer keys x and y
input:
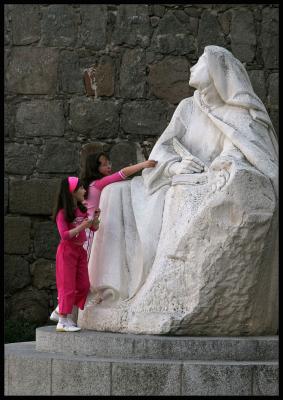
{"x": 73, "y": 181}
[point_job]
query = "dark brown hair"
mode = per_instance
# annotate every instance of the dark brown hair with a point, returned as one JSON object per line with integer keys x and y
{"x": 64, "y": 200}
{"x": 90, "y": 172}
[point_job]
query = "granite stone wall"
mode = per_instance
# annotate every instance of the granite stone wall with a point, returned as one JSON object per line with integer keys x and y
{"x": 141, "y": 55}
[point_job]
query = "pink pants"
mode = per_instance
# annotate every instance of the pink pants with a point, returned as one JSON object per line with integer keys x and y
{"x": 71, "y": 276}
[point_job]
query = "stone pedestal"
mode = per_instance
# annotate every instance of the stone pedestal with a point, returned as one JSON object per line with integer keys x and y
{"x": 104, "y": 363}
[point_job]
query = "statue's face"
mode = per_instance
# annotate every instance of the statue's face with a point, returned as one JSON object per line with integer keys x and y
{"x": 200, "y": 77}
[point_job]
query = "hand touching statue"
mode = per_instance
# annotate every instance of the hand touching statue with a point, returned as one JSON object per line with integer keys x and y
{"x": 149, "y": 164}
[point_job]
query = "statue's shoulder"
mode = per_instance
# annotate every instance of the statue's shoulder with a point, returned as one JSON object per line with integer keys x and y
{"x": 185, "y": 108}
{"x": 187, "y": 102}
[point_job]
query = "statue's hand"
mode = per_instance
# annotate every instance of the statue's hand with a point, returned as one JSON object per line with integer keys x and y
{"x": 189, "y": 165}
{"x": 219, "y": 174}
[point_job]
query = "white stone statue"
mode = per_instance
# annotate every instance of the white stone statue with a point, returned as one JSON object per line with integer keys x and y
{"x": 190, "y": 247}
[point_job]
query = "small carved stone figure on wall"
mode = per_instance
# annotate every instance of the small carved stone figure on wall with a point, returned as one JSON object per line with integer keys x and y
{"x": 190, "y": 247}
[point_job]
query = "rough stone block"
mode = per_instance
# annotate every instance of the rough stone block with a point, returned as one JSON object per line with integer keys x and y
{"x": 20, "y": 158}
{"x": 7, "y": 25}
{"x": 32, "y": 70}
{"x": 30, "y": 304}
{"x": 59, "y": 156}
{"x": 40, "y": 118}
{"x": 6, "y": 195}
{"x": 133, "y": 74}
{"x": 105, "y": 75}
{"x": 158, "y": 10}
{"x": 169, "y": 79}
{"x": 192, "y": 11}
{"x": 92, "y": 32}
{"x": 273, "y": 89}
{"x": 269, "y": 38}
{"x": 258, "y": 82}
{"x": 193, "y": 24}
{"x": 266, "y": 379}
{"x": 43, "y": 274}
{"x": 16, "y": 273}
{"x": 216, "y": 379}
{"x": 7, "y": 61}
{"x": 144, "y": 117}
{"x": 154, "y": 21}
{"x": 181, "y": 16}
{"x": 243, "y": 46}
{"x": 209, "y": 27}
{"x": 89, "y": 80}
{"x": 59, "y": 26}
{"x": 122, "y": 155}
{"x": 173, "y": 37}
{"x": 79, "y": 377}
{"x": 25, "y": 20}
{"x": 69, "y": 73}
{"x": 9, "y": 120}
{"x": 29, "y": 375}
{"x": 33, "y": 197}
{"x": 98, "y": 118}
{"x": 132, "y": 25}
{"x": 225, "y": 21}
{"x": 147, "y": 379}
{"x": 17, "y": 235}
{"x": 46, "y": 240}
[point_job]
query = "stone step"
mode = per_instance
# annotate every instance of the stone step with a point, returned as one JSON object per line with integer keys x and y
{"x": 120, "y": 345}
{"x": 31, "y": 372}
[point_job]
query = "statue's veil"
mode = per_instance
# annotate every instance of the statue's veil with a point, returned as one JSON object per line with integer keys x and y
{"x": 257, "y": 141}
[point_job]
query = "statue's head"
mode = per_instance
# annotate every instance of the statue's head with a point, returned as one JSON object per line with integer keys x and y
{"x": 223, "y": 67}
{"x": 200, "y": 76}
{"x": 217, "y": 65}
{"x": 214, "y": 61}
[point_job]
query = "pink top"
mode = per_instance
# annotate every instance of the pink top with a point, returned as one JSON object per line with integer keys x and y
{"x": 64, "y": 226}
{"x": 95, "y": 188}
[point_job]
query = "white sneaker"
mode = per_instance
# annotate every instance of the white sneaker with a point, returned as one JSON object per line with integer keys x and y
{"x": 65, "y": 326}
{"x": 55, "y": 317}
{"x": 71, "y": 322}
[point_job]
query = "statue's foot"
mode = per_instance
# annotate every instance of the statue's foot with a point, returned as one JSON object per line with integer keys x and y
{"x": 93, "y": 299}
{"x": 97, "y": 299}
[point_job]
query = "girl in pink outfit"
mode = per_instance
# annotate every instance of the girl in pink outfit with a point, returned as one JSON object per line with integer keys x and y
{"x": 71, "y": 259}
{"x": 96, "y": 175}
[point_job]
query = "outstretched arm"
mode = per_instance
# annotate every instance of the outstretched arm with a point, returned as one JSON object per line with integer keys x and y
{"x": 106, "y": 180}
{"x": 123, "y": 173}
{"x": 132, "y": 169}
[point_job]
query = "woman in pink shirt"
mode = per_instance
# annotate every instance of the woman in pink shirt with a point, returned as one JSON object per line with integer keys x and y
{"x": 96, "y": 175}
{"x": 71, "y": 259}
